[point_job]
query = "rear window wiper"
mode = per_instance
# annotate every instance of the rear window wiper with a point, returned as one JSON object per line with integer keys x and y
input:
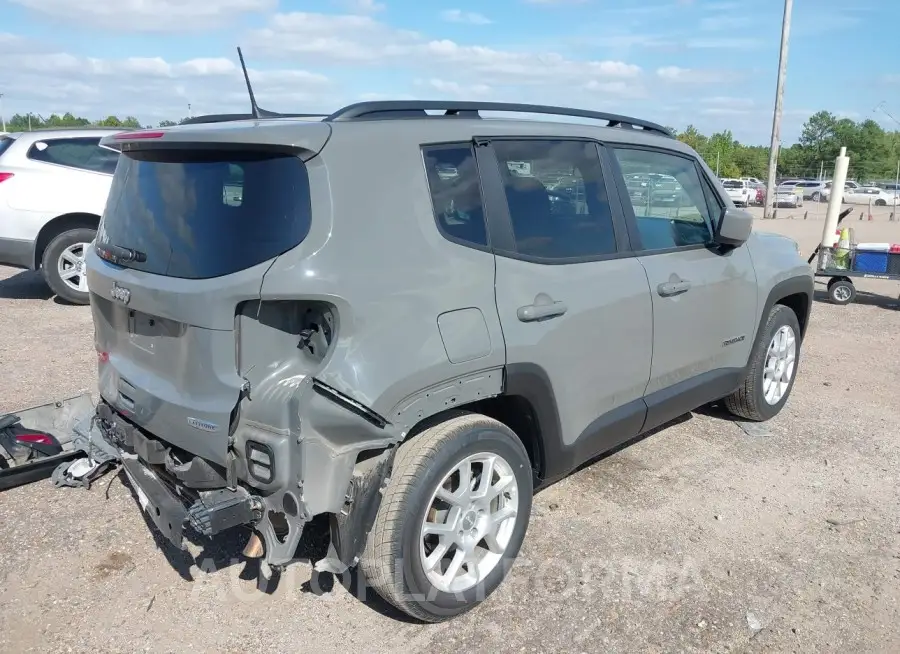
{"x": 120, "y": 254}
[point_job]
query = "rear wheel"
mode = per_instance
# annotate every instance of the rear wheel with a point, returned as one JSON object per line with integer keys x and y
{"x": 773, "y": 367}
{"x": 816, "y": 197}
{"x": 452, "y": 520}
{"x": 880, "y": 203}
{"x": 63, "y": 264}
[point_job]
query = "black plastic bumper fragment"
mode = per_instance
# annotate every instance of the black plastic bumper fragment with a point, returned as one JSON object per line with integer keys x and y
{"x": 162, "y": 505}
{"x": 351, "y": 526}
{"x": 219, "y": 510}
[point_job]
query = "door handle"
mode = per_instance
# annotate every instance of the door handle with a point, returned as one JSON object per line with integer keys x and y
{"x": 543, "y": 308}
{"x": 669, "y": 289}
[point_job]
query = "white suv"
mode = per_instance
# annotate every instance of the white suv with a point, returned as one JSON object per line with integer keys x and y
{"x": 53, "y": 189}
{"x": 740, "y": 191}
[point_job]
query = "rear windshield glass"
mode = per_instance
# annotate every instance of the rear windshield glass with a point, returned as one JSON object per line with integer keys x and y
{"x": 5, "y": 142}
{"x": 198, "y": 214}
{"x": 731, "y": 183}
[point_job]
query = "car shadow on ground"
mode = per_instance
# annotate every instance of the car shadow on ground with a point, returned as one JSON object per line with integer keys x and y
{"x": 25, "y": 285}
{"x": 28, "y": 285}
{"x": 227, "y": 551}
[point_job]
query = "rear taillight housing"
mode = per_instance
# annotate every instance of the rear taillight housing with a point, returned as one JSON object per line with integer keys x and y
{"x": 6, "y": 176}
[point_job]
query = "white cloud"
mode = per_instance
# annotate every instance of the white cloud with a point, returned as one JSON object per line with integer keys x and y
{"x": 454, "y": 89}
{"x": 148, "y": 15}
{"x": 679, "y": 75}
{"x": 363, "y": 6}
{"x": 460, "y": 16}
{"x": 361, "y": 40}
{"x": 150, "y": 87}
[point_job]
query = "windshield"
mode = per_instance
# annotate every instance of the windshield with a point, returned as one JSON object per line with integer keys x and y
{"x": 5, "y": 142}
{"x": 732, "y": 183}
{"x": 198, "y": 214}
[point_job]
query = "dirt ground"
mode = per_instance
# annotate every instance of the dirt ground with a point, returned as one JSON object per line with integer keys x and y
{"x": 699, "y": 538}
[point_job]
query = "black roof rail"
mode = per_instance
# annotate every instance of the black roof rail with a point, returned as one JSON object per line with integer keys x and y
{"x": 398, "y": 109}
{"x": 224, "y": 118}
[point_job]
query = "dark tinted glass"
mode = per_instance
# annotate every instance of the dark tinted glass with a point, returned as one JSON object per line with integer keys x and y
{"x": 456, "y": 192}
{"x": 5, "y": 142}
{"x": 198, "y": 214}
{"x": 80, "y": 152}
{"x": 557, "y": 199}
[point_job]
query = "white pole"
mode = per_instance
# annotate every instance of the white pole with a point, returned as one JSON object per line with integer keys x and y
{"x": 717, "y": 163}
{"x": 779, "y": 99}
{"x": 896, "y": 189}
{"x": 835, "y": 198}
{"x": 2, "y": 117}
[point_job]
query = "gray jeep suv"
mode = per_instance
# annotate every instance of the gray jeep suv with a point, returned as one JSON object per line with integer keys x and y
{"x": 406, "y": 317}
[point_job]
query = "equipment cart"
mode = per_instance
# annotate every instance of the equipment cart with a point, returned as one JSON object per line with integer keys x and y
{"x": 842, "y": 265}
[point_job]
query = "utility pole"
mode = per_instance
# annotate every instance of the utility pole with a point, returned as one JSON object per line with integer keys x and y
{"x": 779, "y": 100}
{"x": 717, "y": 163}
{"x": 2, "y": 118}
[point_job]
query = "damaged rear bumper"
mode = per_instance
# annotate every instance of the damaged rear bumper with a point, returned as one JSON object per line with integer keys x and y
{"x": 337, "y": 466}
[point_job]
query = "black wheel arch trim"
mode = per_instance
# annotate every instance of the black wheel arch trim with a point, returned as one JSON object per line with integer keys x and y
{"x": 800, "y": 285}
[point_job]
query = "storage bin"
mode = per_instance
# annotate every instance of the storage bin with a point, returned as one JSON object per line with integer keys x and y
{"x": 871, "y": 262}
{"x": 893, "y": 267}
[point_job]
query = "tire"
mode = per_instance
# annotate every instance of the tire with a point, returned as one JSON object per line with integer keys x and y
{"x": 880, "y": 203}
{"x": 392, "y": 561}
{"x": 749, "y": 401}
{"x": 816, "y": 197}
{"x": 61, "y": 254}
{"x": 841, "y": 292}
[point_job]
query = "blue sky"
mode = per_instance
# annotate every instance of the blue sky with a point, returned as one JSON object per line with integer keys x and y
{"x": 708, "y": 62}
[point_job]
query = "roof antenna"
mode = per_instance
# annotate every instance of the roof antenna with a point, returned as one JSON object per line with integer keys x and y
{"x": 256, "y": 111}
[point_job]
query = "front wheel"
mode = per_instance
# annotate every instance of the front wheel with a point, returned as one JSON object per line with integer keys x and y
{"x": 880, "y": 203}
{"x": 63, "y": 265}
{"x": 816, "y": 197}
{"x": 773, "y": 366}
{"x": 452, "y": 519}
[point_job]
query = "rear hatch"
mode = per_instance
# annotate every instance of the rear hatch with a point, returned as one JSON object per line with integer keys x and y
{"x": 194, "y": 219}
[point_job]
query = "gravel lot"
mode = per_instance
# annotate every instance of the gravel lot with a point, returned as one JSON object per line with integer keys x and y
{"x": 699, "y": 538}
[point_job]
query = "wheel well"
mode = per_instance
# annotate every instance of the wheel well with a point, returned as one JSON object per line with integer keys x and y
{"x": 799, "y": 304}
{"x": 59, "y": 225}
{"x": 514, "y": 411}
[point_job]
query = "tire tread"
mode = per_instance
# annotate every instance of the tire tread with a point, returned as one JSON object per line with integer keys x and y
{"x": 744, "y": 402}
{"x": 414, "y": 458}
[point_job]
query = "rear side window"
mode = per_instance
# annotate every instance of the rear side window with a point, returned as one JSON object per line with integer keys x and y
{"x": 5, "y": 142}
{"x": 557, "y": 199}
{"x": 198, "y": 214}
{"x": 84, "y": 153}
{"x": 456, "y": 193}
{"x": 668, "y": 217}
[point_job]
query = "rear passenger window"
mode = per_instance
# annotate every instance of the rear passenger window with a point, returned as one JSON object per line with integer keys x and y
{"x": 85, "y": 153}
{"x": 670, "y": 207}
{"x": 456, "y": 193}
{"x": 557, "y": 200}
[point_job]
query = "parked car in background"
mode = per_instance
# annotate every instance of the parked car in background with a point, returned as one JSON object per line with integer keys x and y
{"x": 870, "y": 195}
{"x": 760, "y": 188}
{"x": 53, "y": 189}
{"x": 739, "y": 191}
{"x": 811, "y": 190}
{"x": 787, "y": 196}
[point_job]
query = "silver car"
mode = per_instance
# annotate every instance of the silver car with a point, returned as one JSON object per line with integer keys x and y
{"x": 393, "y": 325}
{"x": 53, "y": 188}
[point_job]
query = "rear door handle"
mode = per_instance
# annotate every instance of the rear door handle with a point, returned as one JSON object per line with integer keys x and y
{"x": 669, "y": 289}
{"x": 543, "y": 308}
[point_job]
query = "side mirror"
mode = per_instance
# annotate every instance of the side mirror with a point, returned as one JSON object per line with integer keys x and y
{"x": 735, "y": 227}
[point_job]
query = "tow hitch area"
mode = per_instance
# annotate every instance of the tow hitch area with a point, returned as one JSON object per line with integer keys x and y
{"x": 52, "y": 441}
